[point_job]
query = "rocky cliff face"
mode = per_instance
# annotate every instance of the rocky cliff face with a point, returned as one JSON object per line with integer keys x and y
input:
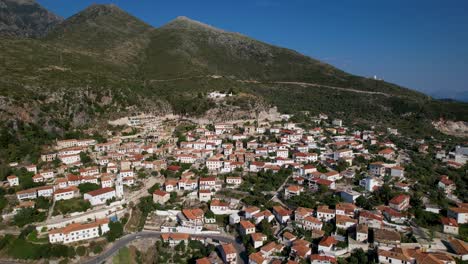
{"x": 25, "y": 18}
{"x": 459, "y": 129}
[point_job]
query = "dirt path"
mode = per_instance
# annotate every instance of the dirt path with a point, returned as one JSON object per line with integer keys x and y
{"x": 291, "y": 83}
{"x": 51, "y": 210}
{"x": 335, "y": 88}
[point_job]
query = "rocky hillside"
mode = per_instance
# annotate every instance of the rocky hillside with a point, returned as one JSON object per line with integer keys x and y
{"x": 25, "y": 18}
{"x": 102, "y": 30}
{"x": 104, "y": 62}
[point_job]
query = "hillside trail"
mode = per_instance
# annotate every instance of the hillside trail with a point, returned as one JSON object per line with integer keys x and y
{"x": 278, "y": 82}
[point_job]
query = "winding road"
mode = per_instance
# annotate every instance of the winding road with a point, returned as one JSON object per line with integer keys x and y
{"x": 124, "y": 241}
{"x": 344, "y": 89}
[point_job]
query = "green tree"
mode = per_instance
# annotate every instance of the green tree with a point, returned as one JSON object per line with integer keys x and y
{"x": 153, "y": 188}
{"x": 115, "y": 231}
{"x": 88, "y": 187}
{"x": 42, "y": 203}
{"x": 97, "y": 249}
{"x": 85, "y": 158}
{"x": 28, "y": 215}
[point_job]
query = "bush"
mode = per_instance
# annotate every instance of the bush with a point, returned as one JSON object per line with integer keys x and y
{"x": 81, "y": 251}
{"x": 97, "y": 249}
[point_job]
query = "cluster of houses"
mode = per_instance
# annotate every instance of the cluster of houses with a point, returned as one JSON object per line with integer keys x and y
{"x": 230, "y": 151}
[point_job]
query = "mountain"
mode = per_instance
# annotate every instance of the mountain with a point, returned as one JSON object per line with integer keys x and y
{"x": 211, "y": 50}
{"x": 101, "y": 29}
{"x": 104, "y": 63}
{"x": 25, "y": 18}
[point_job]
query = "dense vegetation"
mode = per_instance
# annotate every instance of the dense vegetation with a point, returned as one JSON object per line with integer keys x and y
{"x": 28, "y": 215}
{"x": 71, "y": 205}
{"x": 20, "y": 248}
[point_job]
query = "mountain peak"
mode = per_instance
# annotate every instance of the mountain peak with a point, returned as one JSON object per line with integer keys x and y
{"x": 96, "y": 10}
{"x": 96, "y": 23}
{"x": 183, "y": 22}
{"x": 104, "y": 7}
{"x": 106, "y": 17}
{"x": 25, "y": 18}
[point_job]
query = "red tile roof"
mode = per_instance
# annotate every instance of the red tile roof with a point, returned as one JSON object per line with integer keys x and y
{"x": 160, "y": 193}
{"x": 328, "y": 241}
{"x": 229, "y": 249}
{"x": 399, "y": 199}
{"x": 449, "y": 221}
{"x": 100, "y": 191}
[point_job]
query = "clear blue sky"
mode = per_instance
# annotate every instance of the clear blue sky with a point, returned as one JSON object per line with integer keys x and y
{"x": 420, "y": 44}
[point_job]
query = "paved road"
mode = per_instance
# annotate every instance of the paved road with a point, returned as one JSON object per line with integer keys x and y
{"x": 124, "y": 241}
{"x": 51, "y": 210}
{"x": 419, "y": 233}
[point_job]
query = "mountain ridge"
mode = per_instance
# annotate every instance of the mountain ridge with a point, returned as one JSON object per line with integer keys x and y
{"x": 103, "y": 62}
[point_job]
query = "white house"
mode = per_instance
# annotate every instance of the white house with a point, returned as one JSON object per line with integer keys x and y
{"x": 191, "y": 220}
{"x": 393, "y": 257}
{"x": 450, "y": 225}
{"x": 282, "y": 214}
{"x": 66, "y": 194}
{"x": 48, "y": 174}
{"x": 331, "y": 176}
{"x": 207, "y": 183}
{"x": 246, "y": 227}
{"x": 258, "y": 239}
{"x": 236, "y": 181}
{"x": 228, "y": 253}
{"x": 342, "y": 154}
{"x": 27, "y": 194}
{"x": 371, "y": 183}
{"x": 311, "y": 223}
{"x": 204, "y": 195}
{"x": 13, "y": 180}
{"x": 325, "y": 214}
{"x": 100, "y": 196}
{"x": 214, "y": 164}
{"x": 397, "y": 171}
{"x": 459, "y": 213}
{"x": 45, "y": 191}
{"x": 251, "y": 211}
{"x": 78, "y": 231}
{"x": 70, "y": 159}
{"x": 186, "y": 158}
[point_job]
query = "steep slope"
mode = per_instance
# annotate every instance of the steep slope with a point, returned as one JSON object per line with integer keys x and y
{"x": 194, "y": 47}
{"x": 185, "y": 47}
{"x": 104, "y": 30}
{"x": 103, "y": 63}
{"x": 25, "y": 18}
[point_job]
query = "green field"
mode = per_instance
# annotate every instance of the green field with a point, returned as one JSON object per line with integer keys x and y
{"x": 123, "y": 257}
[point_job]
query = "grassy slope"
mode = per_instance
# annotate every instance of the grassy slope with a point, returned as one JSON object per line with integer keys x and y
{"x": 102, "y": 61}
{"x": 188, "y": 48}
{"x": 102, "y": 30}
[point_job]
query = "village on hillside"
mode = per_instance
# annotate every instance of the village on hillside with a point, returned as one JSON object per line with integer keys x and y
{"x": 241, "y": 191}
